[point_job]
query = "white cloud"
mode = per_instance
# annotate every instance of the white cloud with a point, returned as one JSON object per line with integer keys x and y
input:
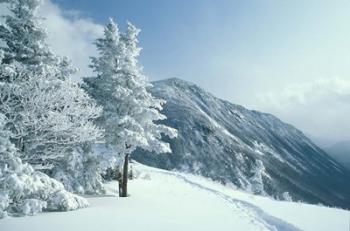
{"x": 71, "y": 35}
{"x": 321, "y": 108}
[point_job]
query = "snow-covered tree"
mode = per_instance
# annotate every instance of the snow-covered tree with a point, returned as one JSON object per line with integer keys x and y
{"x": 257, "y": 183}
{"x": 129, "y": 110}
{"x": 24, "y": 39}
{"x": 49, "y": 116}
{"x": 24, "y": 191}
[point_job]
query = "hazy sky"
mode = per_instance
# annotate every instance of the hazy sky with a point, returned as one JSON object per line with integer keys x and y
{"x": 289, "y": 58}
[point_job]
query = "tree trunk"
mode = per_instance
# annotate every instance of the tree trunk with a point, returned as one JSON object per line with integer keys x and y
{"x": 125, "y": 177}
{"x": 120, "y": 182}
{"x": 20, "y": 144}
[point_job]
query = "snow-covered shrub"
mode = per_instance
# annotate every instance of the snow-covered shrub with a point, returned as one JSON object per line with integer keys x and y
{"x": 84, "y": 167}
{"x": 286, "y": 196}
{"x": 24, "y": 191}
{"x": 64, "y": 201}
{"x": 32, "y": 206}
{"x": 4, "y": 203}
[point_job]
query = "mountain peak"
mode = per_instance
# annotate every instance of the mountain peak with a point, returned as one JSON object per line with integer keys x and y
{"x": 175, "y": 81}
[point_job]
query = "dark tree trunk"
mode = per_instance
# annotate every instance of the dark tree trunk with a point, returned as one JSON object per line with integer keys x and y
{"x": 21, "y": 144}
{"x": 125, "y": 177}
{"x": 120, "y": 182}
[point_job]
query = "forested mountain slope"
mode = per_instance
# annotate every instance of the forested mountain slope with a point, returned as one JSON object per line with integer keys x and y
{"x": 253, "y": 150}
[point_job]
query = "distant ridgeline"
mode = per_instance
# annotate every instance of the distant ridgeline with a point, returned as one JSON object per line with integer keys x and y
{"x": 254, "y": 151}
{"x": 341, "y": 152}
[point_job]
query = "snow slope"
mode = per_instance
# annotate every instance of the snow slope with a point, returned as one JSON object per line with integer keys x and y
{"x": 163, "y": 200}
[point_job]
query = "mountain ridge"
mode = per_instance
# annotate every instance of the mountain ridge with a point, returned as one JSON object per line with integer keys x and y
{"x": 249, "y": 149}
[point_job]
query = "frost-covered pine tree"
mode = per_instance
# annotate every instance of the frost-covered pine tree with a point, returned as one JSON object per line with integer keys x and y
{"x": 129, "y": 110}
{"x": 24, "y": 40}
{"x": 49, "y": 116}
{"x": 257, "y": 183}
{"x": 24, "y": 191}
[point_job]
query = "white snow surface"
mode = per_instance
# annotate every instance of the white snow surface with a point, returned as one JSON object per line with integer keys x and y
{"x": 164, "y": 200}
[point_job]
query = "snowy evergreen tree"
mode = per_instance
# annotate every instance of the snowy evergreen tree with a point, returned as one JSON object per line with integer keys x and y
{"x": 257, "y": 183}
{"x": 48, "y": 115}
{"x": 24, "y": 191}
{"x": 129, "y": 110}
{"x": 24, "y": 40}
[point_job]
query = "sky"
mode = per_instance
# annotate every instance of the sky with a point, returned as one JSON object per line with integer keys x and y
{"x": 288, "y": 58}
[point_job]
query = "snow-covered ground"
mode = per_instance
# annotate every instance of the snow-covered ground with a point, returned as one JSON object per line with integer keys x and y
{"x": 163, "y": 200}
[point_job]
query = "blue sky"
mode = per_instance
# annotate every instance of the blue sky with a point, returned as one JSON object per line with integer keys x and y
{"x": 202, "y": 37}
{"x": 289, "y": 58}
